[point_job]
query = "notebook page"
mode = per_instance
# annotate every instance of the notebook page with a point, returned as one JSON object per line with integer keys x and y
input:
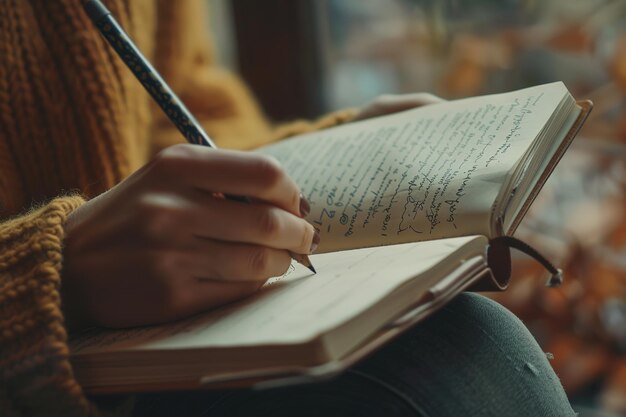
{"x": 422, "y": 174}
{"x": 295, "y": 307}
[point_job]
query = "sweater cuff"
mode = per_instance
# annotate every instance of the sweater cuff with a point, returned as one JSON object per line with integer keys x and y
{"x": 36, "y": 378}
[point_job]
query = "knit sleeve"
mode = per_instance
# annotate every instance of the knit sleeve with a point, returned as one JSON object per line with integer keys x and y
{"x": 35, "y": 374}
{"x": 219, "y": 99}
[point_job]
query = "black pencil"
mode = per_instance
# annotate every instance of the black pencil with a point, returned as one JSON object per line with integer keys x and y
{"x": 156, "y": 86}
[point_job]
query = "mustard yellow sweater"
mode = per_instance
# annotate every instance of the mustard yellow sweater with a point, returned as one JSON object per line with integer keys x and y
{"x": 74, "y": 121}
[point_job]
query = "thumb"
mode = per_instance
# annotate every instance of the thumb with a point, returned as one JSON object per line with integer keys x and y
{"x": 393, "y": 103}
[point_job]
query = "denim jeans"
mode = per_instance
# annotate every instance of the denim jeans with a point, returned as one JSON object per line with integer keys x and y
{"x": 472, "y": 358}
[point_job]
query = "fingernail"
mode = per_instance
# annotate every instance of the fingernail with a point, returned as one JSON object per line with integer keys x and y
{"x": 316, "y": 241}
{"x": 305, "y": 207}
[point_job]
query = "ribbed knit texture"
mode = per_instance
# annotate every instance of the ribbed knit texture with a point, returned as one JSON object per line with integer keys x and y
{"x": 35, "y": 374}
{"x": 74, "y": 119}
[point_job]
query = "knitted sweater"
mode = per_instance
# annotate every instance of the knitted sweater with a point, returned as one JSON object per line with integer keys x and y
{"x": 74, "y": 121}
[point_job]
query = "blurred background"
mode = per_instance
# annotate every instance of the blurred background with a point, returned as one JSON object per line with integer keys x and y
{"x": 304, "y": 58}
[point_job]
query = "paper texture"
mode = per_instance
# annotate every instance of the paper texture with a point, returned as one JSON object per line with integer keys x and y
{"x": 418, "y": 175}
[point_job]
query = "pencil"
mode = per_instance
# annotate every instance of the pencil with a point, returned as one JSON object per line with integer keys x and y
{"x": 156, "y": 86}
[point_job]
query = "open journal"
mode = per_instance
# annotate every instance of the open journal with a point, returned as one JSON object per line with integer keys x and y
{"x": 408, "y": 206}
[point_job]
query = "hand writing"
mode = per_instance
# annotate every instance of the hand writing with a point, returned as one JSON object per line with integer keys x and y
{"x": 164, "y": 244}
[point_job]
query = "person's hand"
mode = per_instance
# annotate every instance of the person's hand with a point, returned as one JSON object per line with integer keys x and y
{"x": 393, "y": 103}
{"x": 164, "y": 243}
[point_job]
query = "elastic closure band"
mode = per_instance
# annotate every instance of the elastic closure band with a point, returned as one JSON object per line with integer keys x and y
{"x": 556, "y": 277}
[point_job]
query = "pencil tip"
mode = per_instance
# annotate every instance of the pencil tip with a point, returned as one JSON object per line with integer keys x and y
{"x": 304, "y": 260}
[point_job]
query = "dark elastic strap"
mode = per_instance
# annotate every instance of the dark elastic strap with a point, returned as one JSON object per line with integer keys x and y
{"x": 556, "y": 277}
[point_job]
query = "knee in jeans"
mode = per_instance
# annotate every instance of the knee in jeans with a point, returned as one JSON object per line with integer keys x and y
{"x": 481, "y": 320}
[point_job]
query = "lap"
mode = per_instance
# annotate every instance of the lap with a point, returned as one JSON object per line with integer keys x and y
{"x": 473, "y": 357}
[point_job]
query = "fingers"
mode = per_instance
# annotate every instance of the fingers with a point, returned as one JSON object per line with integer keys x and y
{"x": 392, "y": 103}
{"x": 211, "y": 281}
{"x": 232, "y": 173}
{"x": 130, "y": 288}
{"x": 255, "y": 223}
{"x": 407, "y": 101}
{"x": 176, "y": 221}
{"x": 233, "y": 262}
